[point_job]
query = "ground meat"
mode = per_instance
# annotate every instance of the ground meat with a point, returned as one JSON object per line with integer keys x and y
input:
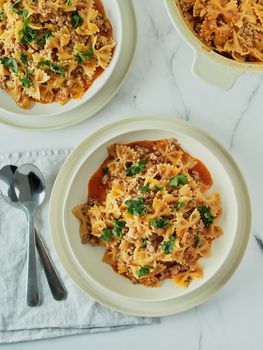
{"x": 101, "y": 41}
{"x": 105, "y": 179}
{"x": 62, "y": 96}
{"x": 88, "y": 238}
{"x": 172, "y": 269}
{"x": 153, "y": 242}
{"x": 103, "y": 24}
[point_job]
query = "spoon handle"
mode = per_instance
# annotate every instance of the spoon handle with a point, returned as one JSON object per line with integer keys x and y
{"x": 32, "y": 295}
{"x": 56, "y": 286}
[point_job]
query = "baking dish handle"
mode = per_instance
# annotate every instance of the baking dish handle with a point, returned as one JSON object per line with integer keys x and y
{"x": 215, "y": 73}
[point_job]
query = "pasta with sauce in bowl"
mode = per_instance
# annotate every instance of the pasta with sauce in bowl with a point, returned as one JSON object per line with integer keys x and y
{"x": 231, "y": 28}
{"x": 148, "y": 205}
{"x": 51, "y": 51}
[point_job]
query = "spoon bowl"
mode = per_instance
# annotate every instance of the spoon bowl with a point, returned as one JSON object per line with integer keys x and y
{"x": 7, "y": 185}
{"x": 29, "y": 186}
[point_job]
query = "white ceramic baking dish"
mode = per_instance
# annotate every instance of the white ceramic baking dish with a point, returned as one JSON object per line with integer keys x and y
{"x": 209, "y": 65}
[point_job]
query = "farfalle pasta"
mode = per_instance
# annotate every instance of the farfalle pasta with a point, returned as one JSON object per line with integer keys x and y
{"x": 52, "y": 50}
{"x": 233, "y": 28}
{"x": 148, "y": 205}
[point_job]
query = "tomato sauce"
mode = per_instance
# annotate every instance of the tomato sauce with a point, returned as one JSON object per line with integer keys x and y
{"x": 99, "y": 6}
{"x": 98, "y": 190}
{"x": 203, "y": 173}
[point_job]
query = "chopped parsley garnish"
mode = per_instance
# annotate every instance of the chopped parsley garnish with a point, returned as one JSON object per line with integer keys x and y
{"x": 14, "y": 6}
{"x": 26, "y": 81}
{"x": 106, "y": 170}
{"x": 1, "y": 15}
{"x": 47, "y": 35}
{"x": 188, "y": 280}
{"x": 135, "y": 169}
{"x": 180, "y": 205}
{"x": 23, "y": 58}
{"x": 206, "y": 215}
{"x": 160, "y": 223}
{"x": 53, "y": 67}
{"x": 116, "y": 231}
{"x": 76, "y": 20}
{"x": 68, "y": 2}
{"x": 157, "y": 189}
{"x": 144, "y": 243}
{"x": 198, "y": 241}
{"x": 145, "y": 188}
{"x": 136, "y": 207}
{"x": 178, "y": 180}
{"x": 22, "y": 13}
{"x": 28, "y": 34}
{"x": 10, "y": 62}
{"x": 106, "y": 234}
{"x": 82, "y": 56}
{"x": 143, "y": 270}
{"x": 168, "y": 246}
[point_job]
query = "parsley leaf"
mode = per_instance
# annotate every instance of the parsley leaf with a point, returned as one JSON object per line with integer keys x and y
{"x": 168, "y": 246}
{"x": 14, "y": 6}
{"x": 178, "y": 180}
{"x": 76, "y": 20}
{"x": 180, "y": 205}
{"x": 145, "y": 188}
{"x": 157, "y": 189}
{"x": 53, "y": 67}
{"x": 143, "y": 270}
{"x": 68, "y": 2}
{"x": 29, "y": 34}
{"x": 10, "y": 62}
{"x": 106, "y": 234}
{"x": 144, "y": 243}
{"x": 23, "y": 58}
{"x": 106, "y": 170}
{"x": 47, "y": 35}
{"x": 188, "y": 280}
{"x": 116, "y": 231}
{"x": 1, "y": 15}
{"x": 206, "y": 215}
{"x": 26, "y": 81}
{"x": 136, "y": 169}
{"x": 160, "y": 223}
{"x": 22, "y": 13}
{"x": 198, "y": 241}
{"x": 136, "y": 207}
{"x": 82, "y": 56}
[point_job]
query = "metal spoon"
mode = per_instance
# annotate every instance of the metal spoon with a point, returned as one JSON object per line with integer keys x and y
{"x": 30, "y": 191}
{"x": 57, "y": 288}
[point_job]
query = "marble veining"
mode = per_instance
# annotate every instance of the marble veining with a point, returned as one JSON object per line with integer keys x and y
{"x": 259, "y": 241}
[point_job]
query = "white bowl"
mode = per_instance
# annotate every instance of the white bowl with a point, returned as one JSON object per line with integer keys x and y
{"x": 84, "y": 261}
{"x": 208, "y": 65}
{"x": 7, "y": 104}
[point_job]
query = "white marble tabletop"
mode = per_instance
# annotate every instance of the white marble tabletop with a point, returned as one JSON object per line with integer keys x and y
{"x": 161, "y": 82}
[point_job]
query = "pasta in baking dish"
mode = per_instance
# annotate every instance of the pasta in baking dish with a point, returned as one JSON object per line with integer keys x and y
{"x": 233, "y": 28}
{"x": 148, "y": 205}
{"x": 52, "y": 50}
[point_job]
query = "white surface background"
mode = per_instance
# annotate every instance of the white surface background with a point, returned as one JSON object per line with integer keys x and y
{"x": 161, "y": 82}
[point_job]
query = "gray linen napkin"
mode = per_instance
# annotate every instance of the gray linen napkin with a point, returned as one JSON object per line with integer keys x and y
{"x": 78, "y": 314}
